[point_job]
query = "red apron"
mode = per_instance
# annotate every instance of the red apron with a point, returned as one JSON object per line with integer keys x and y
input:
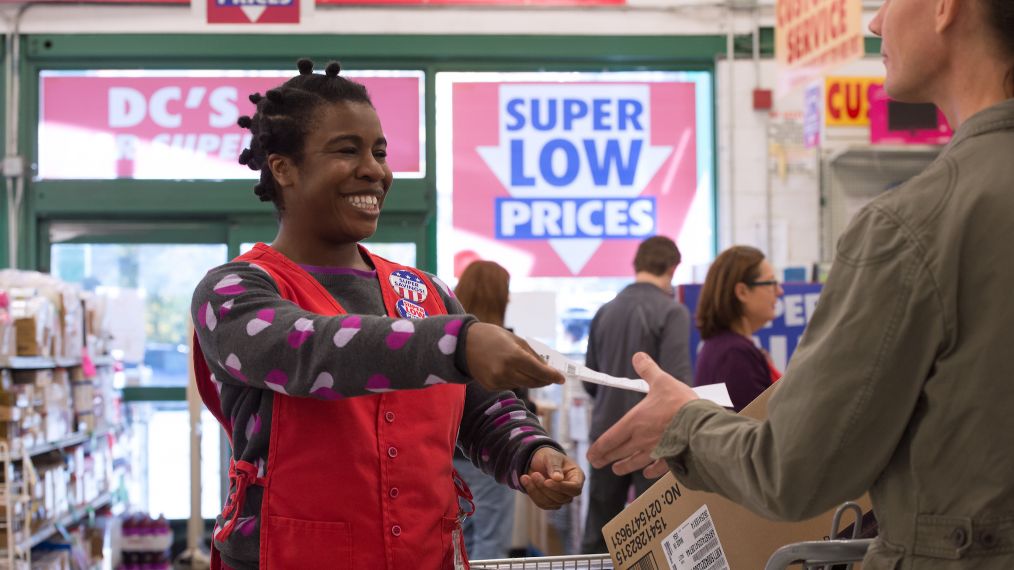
{"x": 363, "y": 482}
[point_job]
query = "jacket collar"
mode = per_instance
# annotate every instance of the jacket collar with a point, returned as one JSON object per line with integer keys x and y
{"x": 999, "y": 117}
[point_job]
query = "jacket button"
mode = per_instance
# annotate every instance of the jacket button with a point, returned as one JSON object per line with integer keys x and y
{"x": 959, "y": 537}
{"x": 389, "y": 416}
{"x": 393, "y": 492}
{"x": 396, "y": 530}
{"x": 392, "y": 452}
{"x": 987, "y": 539}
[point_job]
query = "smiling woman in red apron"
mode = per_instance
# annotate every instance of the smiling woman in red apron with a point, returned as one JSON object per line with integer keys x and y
{"x": 345, "y": 380}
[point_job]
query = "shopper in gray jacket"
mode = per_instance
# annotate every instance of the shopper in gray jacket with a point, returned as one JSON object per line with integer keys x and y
{"x": 644, "y": 316}
{"x": 903, "y": 384}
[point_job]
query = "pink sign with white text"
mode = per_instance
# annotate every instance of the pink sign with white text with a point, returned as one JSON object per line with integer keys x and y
{"x": 572, "y": 176}
{"x": 892, "y": 122}
{"x": 184, "y": 126}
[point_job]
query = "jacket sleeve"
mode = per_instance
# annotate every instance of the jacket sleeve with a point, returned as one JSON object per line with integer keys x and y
{"x": 674, "y": 345}
{"x": 847, "y": 397}
{"x": 252, "y": 337}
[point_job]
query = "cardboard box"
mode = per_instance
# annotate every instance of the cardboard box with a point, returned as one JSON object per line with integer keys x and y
{"x": 672, "y": 527}
{"x": 34, "y": 324}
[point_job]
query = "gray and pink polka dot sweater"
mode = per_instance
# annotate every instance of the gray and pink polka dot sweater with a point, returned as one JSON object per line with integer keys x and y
{"x": 260, "y": 346}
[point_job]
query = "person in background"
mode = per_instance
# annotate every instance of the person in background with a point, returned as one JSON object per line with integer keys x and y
{"x": 644, "y": 316}
{"x": 344, "y": 380}
{"x": 483, "y": 291}
{"x": 739, "y": 297}
{"x": 903, "y": 383}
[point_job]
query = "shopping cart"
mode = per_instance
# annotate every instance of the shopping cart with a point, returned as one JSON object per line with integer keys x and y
{"x": 576, "y": 562}
{"x": 825, "y": 553}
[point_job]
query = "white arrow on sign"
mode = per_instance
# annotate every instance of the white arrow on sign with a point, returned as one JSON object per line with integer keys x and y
{"x": 613, "y": 135}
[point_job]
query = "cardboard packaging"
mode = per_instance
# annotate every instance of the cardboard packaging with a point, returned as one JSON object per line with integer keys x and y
{"x": 672, "y": 527}
{"x": 34, "y": 324}
{"x": 8, "y": 336}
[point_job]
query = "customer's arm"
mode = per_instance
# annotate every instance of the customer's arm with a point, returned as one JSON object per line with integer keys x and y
{"x": 847, "y": 396}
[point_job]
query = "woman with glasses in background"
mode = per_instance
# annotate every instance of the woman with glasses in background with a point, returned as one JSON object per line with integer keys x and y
{"x": 739, "y": 297}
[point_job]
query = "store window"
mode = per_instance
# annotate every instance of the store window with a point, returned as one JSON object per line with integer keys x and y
{"x": 150, "y": 287}
{"x": 559, "y": 176}
{"x": 181, "y": 124}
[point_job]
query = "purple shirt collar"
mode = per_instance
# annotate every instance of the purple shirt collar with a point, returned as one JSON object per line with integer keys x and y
{"x": 332, "y": 270}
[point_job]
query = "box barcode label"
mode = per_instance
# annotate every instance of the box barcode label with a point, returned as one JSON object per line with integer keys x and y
{"x": 695, "y": 545}
{"x": 703, "y": 529}
{"x": 646, "y": 563}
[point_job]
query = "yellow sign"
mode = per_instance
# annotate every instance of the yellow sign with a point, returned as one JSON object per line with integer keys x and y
{"x": 847, "y": 101}
{"x": 812, "y": 36}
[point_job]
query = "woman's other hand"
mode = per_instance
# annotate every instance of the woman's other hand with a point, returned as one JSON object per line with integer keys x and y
{"x": 553, "y": 480}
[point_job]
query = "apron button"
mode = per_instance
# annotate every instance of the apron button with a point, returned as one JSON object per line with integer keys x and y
{"x": 396, "y": 530}
{"x": 393, "y": 492}
{"x": 389, "y": 416}
{"x": 392, "y": 452}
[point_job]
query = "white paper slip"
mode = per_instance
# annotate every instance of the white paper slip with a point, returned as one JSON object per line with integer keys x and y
{"x": 694, "y": 545}
{"x": 717, "y": 393}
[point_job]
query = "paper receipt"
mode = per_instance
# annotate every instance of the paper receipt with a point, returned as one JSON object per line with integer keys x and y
{"x": 717, "y": 393}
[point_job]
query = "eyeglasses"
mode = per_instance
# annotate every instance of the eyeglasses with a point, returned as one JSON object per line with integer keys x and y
{"x": 773, "y": 282}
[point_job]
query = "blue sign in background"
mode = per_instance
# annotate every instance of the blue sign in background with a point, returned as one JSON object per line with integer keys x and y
{"x": 780, "y": 337}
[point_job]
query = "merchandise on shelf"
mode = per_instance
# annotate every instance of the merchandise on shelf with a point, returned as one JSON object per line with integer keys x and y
{"x": 34, "y": 322}
{"x": 50, "y": 318}
{"x": 59, "y": 414}
{"x": 145, "y": 543}
{"x": 8, "y": 337}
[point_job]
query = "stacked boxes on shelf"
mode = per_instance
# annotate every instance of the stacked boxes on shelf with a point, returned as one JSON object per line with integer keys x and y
{"x": 49, "y": 415}
{"x": 20, "y": 424}
{"x": 49, "y": 318}
{"x": 95, "y": 404}
{"x": 16, "y": 518}
{"x": 69, "y": 480}
{"x": 8, "y": 335}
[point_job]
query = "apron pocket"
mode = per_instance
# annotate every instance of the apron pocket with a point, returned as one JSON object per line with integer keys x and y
{"x": 307, "y": 545}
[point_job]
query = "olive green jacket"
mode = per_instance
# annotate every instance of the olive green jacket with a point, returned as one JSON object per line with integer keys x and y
{"x": 903, "y": 383}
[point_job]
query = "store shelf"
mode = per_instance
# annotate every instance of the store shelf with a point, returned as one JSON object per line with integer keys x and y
{"x": 76, "y": 515}
{"x": 103, "y": 361}
{"x": 27, "y": 363}
{"x": 45, "y": 362}
{"x": 69, "y": 441}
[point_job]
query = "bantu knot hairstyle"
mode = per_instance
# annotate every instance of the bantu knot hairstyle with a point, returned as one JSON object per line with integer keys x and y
{"x": 285, "y": 116}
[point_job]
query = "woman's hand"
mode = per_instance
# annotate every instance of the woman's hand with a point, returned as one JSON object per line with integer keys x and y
{"x": 499, "y": 360}
{"x": 553, "y": 480}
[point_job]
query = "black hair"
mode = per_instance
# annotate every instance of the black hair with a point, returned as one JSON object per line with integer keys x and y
{"x": 1000, "y": 14}
{"x": 284, "y": 116}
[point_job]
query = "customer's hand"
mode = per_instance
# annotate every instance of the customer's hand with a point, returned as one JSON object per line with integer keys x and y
{"x": 628, "y": 444}
{"x": 553, "y": 479}
{"x": 499, "y": 360}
